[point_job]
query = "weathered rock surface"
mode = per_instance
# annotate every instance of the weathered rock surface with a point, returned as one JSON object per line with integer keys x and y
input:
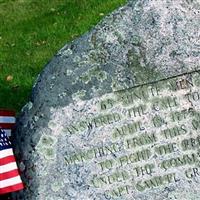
{"x": 143, "y": 42}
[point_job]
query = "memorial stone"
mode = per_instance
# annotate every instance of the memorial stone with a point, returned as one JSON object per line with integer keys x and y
{"x": 116, "y": 114}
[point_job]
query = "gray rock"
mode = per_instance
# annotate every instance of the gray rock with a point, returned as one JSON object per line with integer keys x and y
{"x": 146, "y": 43}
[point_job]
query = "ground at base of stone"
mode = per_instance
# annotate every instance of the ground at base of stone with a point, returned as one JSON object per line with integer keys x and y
{"x": 5, "y": 197}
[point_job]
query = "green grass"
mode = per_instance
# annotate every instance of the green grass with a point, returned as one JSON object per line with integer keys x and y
{"x": 32, "y": 31}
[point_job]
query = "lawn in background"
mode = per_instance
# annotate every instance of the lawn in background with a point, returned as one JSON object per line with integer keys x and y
{"x": 32, "y": 31}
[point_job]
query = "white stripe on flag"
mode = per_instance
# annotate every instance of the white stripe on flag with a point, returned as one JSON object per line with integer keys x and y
{"x": 7, "y": 119}
{"x": 8, "y": 167}
{"x": 5, "y": 153}
{"x": 8, "y": 132}
{"x": 10, "y": 181}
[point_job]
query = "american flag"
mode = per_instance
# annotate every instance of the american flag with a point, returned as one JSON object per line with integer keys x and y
{"x": 7, "y": 120}
{"x": 10, "y": 180}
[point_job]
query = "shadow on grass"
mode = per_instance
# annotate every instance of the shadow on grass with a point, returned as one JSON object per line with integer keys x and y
{"x": 9, "y": 94}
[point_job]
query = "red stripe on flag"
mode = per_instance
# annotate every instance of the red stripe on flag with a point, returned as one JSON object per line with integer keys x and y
{"x": 10, "y": 174}
{"x": 8, "y": 113}
{"x": 7, "y": 125}
{"x": 6, "y": 160}
{"x": 12, "y": 188}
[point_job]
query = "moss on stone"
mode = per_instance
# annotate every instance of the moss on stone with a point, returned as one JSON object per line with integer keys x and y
{"x": 141, "y": 74}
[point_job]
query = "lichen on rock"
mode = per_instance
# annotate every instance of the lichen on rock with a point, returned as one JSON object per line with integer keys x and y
{"x": 143, "y": 42}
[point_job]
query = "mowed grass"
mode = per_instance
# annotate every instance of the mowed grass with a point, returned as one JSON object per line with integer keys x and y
{"x": 32, "y": 31}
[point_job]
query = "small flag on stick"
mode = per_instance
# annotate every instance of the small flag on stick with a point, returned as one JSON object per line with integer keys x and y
{"x": 10, "y": 180}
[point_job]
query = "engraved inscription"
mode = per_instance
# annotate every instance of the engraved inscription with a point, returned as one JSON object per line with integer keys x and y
{"x": 138, "y": 139}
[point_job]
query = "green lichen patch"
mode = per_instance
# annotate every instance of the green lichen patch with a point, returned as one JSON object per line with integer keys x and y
{"x": 79, "y": 94}
{"x": 47, "y": 140}
{"x": 196, "y": 79}
{"x": 141, "y": 73}
{"x": 49, "y": 153}
{"x": 94, "y": 72}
